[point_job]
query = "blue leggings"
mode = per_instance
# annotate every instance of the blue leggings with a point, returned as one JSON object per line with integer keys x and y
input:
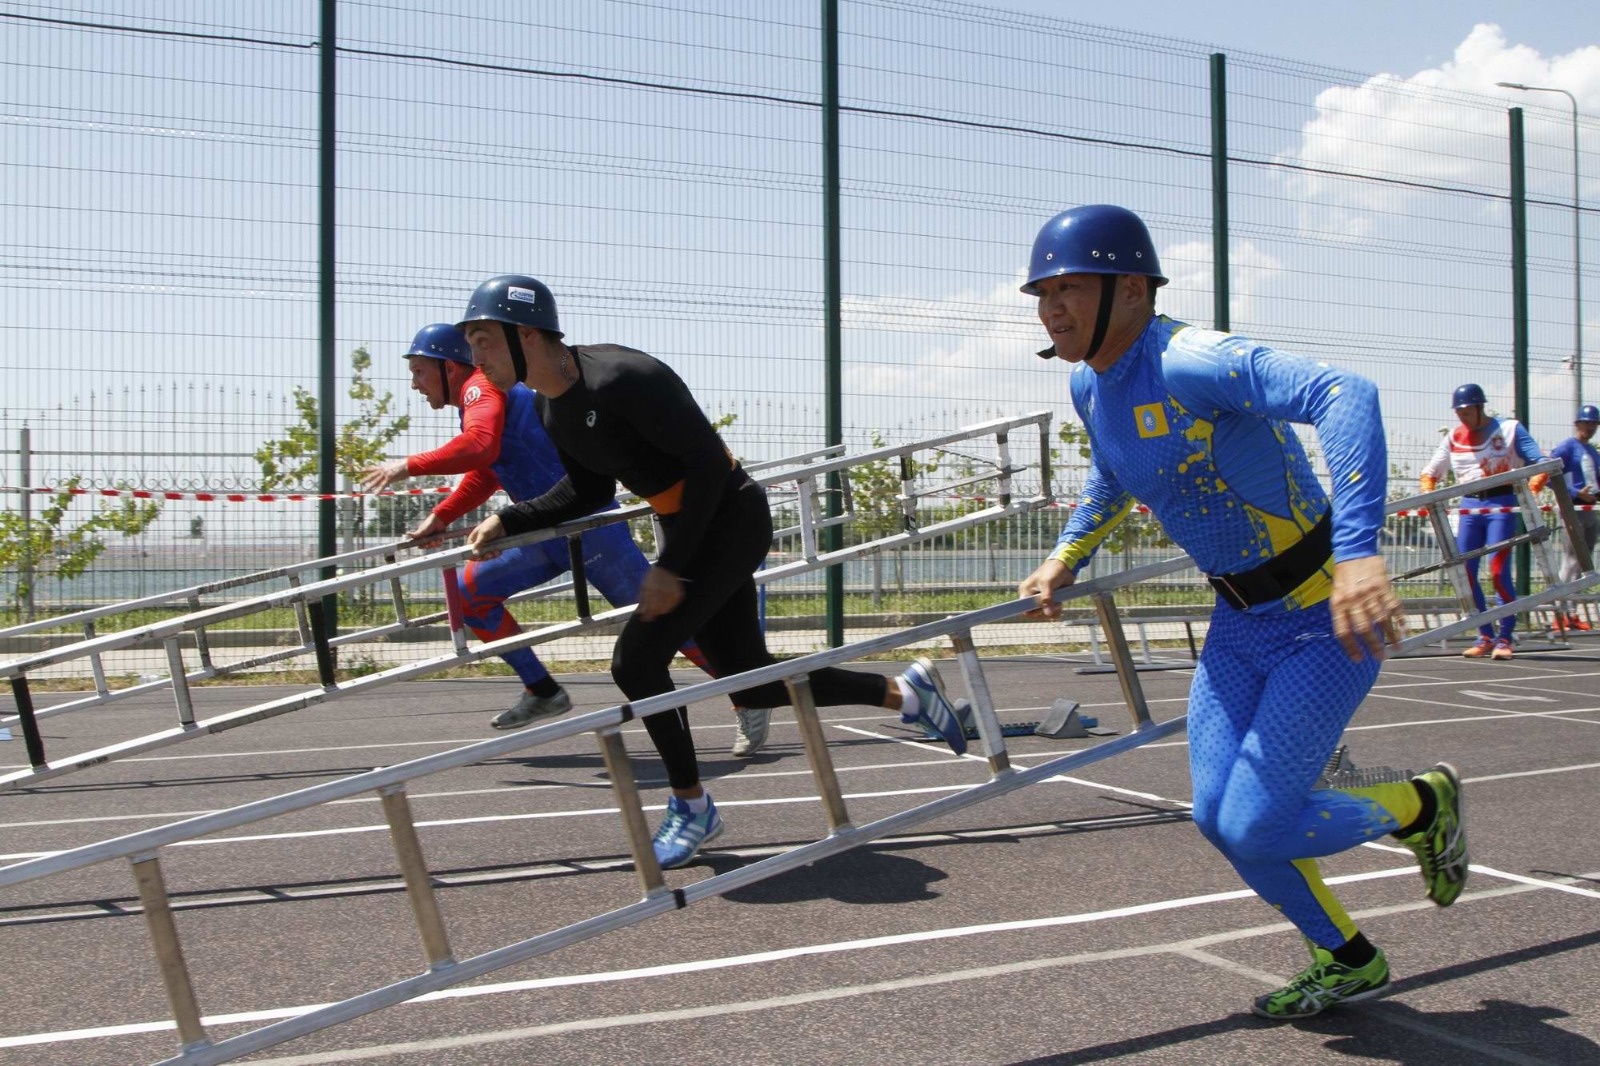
{"x": 612, "y": 563}
{"x": 1271, "y": 697}
{"x": 1473, "y": 531}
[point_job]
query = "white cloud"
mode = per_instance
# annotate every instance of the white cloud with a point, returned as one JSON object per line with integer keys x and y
{"x": 1188, "y": 296}
{"x": 1424, "y": 127}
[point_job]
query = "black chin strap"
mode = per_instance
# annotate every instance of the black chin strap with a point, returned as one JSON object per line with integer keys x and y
{"x": 1108, "y": 290}
{"x": 519, "y": 362}
{"x": 444, "y": 378}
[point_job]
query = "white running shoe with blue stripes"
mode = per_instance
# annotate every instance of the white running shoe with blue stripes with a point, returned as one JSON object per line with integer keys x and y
{"x": 683, "y": 831}
{"x": 934, "y": 710}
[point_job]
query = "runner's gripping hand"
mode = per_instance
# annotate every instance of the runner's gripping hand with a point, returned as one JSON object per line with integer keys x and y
{"x": 1040, "y": 586}
{"x": 483, "y": 533}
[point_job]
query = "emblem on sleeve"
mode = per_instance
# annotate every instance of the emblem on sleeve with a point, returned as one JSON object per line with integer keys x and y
{"x": 471, "y": 396}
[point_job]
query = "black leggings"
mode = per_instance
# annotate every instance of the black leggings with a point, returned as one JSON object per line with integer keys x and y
{"x": 719, "y": 613}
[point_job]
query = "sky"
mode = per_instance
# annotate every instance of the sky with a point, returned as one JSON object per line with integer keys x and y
{"x": 687, "y": 224}
{"x": 1372, "y": 36}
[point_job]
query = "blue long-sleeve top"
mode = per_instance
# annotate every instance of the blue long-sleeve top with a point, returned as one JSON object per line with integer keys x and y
{"x": 1580, "y": 463}
{"x": 1194, "y": 424}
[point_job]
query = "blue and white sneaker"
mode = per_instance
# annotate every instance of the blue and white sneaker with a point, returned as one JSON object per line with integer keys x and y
{"x": 934, "y": 710}
{"x": 683, "y": 831}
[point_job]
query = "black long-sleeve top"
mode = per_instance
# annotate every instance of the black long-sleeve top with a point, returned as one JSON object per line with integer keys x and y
{"x": 629, "y": 418}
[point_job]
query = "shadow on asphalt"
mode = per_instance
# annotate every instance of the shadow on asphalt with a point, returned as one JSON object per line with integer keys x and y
{"x": 1520, "y": 1029}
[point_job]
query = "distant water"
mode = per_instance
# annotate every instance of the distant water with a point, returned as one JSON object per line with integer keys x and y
{"x": 123, "y": 574}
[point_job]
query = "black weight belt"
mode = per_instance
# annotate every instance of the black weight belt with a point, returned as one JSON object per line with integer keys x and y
{"x": 1280, "y": 575}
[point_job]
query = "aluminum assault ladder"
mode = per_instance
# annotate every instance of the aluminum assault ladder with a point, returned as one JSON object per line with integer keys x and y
{"x": 804, "y": 484}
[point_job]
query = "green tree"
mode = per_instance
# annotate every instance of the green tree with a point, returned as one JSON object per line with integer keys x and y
{"x": 54, "y": 548}
{"x": 361, "y": 442}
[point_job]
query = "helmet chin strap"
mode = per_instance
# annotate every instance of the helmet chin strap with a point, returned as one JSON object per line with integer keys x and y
{"x": 519, "y": 361}
{"x": 1108, "y": 290}
{"x": 444, "y": 378}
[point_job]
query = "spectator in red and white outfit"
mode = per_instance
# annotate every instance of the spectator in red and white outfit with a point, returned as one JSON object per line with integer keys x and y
{"x": 1480, "y": 447}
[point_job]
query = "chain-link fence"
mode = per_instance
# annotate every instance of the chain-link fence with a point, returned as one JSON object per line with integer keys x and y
{"x": 660, "y": 166}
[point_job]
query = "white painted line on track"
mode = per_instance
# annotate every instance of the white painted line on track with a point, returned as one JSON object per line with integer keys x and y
{"x": 758, "y": 958}
{"x": 742, "y": 775}
{"x": 383, "y": 827}
{"x": 1532, "y": 773}
{"x": 113, "y": 909}
{"x": 444, "y": 742}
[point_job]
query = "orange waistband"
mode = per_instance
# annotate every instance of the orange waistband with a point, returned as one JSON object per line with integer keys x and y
{"x": 670, "y": 499}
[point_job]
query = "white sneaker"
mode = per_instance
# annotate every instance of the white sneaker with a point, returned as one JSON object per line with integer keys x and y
{"x": 530, "y": 708}
{"x": 751, "y": 733}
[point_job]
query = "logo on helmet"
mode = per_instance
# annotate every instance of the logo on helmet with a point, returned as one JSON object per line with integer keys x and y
{"x": 527, "y": 296}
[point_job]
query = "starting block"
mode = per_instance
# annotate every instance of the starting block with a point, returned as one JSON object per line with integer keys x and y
{"x": 1063, "y": 722}
{"x": 1341, "y": 772}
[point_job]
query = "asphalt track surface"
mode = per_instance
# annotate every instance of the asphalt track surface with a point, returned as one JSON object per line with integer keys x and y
{"x": 1080, "y": 920}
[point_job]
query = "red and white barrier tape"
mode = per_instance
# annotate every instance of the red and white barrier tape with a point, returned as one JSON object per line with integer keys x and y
{"x": 229, "y": 497}
{"x": 444, "y": 490}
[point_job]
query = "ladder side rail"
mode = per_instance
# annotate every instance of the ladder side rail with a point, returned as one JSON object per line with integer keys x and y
{"x": 1450, "y": 492}
{"x": 622, "y": 917}
{"x": 303, "y": 593}
{"x": 895, "y": 451}
{"x": 1550, "y": 594}
{"x": 460, "y": 656}
{"x": 289, "y": 571}
{"x": 831, "y": 458}
{"x": 499, "y": 747}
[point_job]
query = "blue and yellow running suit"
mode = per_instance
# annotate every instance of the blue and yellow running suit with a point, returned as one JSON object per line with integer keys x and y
{"x": 1195, "y": 425}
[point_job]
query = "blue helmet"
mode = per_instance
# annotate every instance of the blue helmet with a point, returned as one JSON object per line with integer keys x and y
{"x": 1588, "y": 413}
{"x": 1468, "y": 396}
{"x": 441, "y": 341}
{"x": 1094, "y": 239}
{"x": 513, "y": 299}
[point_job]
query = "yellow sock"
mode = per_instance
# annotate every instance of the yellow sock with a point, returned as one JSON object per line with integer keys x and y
{"x": 1332, "y": 907}
{"x": 1399, "y": 798}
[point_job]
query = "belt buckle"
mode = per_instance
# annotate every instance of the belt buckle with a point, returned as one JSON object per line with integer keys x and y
{"x": 1231, "y": 594}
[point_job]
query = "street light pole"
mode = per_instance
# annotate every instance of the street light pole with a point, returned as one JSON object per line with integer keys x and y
{"x": 1577, "y": 240}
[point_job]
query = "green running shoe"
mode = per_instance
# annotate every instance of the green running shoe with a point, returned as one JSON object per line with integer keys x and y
{"x": 1325, "y": 983}
{"x": 1442, "y": 847}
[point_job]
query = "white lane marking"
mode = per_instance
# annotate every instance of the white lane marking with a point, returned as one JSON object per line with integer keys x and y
{"x": 1504, "y": 697}
{"x": 108, "y": 908}
{"x": 726, "y": 962}
{"x": 446, "y": 742}
{"x": 1533, "y": 773}
{"x": 744, "y": 775}
{"x": 383, "y": 827}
